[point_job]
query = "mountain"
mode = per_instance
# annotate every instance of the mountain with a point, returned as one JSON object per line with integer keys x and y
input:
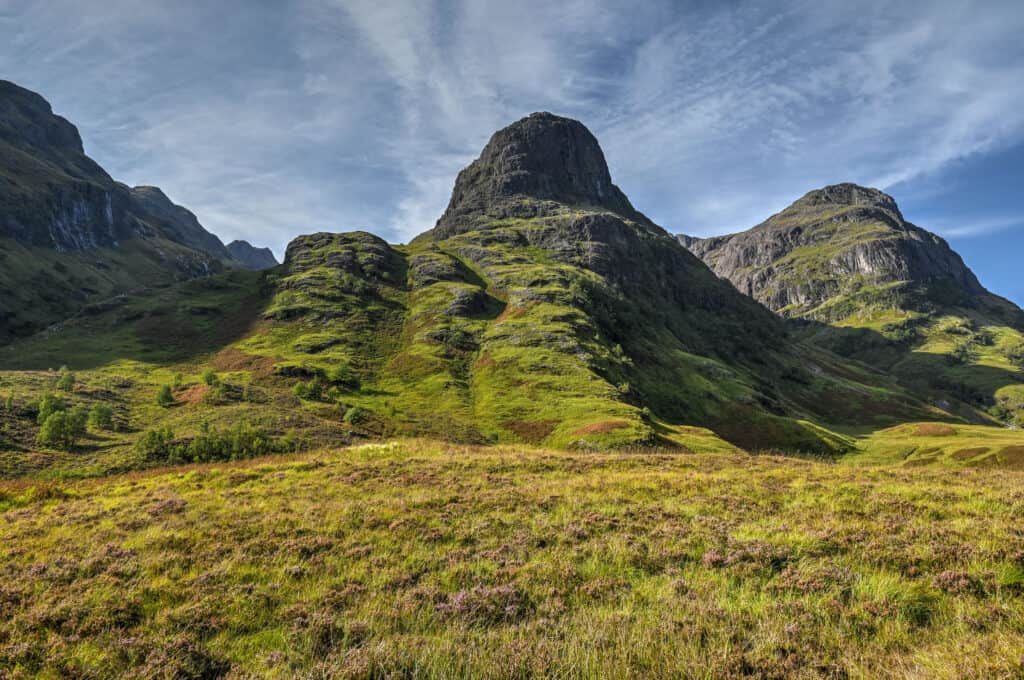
{"x": 543, "y": 307}
{"x": 70, "y": 234}
{"x": 249, "y": 257}
{"x": 881, "y": 290}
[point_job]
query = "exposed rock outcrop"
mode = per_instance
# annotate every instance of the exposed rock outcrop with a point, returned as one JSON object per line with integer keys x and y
{"x": 837, "y": 241}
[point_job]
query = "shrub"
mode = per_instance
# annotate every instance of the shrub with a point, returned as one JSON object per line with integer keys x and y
{"x": 1015, "y": 353}
{"x": 178, "y": 380}
{"x": 48, "y": 405}
{"x": 961, "y": 354}
{"x": 9, "y": 403}
{"x": 343, "y": 376}
{"x": 66, "y": 383}
{"x": 355, "y": 415}
{"x": 165, "y": 397}
{"x": 311, "y": 391}
{"x": 101, "y": 417}
{"x": 235, "y": 443}
{"x": 210, "y": 377}
{"x": 155, "y": 444}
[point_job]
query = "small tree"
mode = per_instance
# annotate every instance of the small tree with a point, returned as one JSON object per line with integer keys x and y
{"x": 178, "y": 380}
{"x": 9, "y": 403}
{"x": 77, "y": 419}
{"x": 165, "y": 397}
{"x": 58, "y": 431}
{"x": 66, "y": 383}
{"x": 48, "y": 405}
{"x": 210, "y": 377}
{"x": 101, "y": 417}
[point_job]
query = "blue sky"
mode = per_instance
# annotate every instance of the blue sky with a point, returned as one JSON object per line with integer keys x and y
{"x": 271, "y": 119}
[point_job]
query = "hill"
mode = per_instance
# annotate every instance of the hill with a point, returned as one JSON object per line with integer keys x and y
{"x": 874, "y": 287}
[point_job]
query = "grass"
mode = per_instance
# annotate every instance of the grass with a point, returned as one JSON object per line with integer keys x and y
{"x": 426, "y": 560}
{"x": 942, "y": 445}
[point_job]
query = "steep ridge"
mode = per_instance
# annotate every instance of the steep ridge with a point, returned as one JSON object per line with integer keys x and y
{"x": 69, "y": 233}
{"x": 889, "y": 293}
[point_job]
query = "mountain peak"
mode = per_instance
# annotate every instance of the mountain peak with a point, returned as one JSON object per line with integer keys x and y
{"x": 26, "y": 118}
{"x": 849, "y": 194}
{"x": 251, "y": 257}
{"x": 524, "y": 168}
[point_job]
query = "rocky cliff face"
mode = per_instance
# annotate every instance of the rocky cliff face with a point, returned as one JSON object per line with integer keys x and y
{"x": 843, "y": 241}
{"x": 69, "y": 233}
{"x": 534, "y": 167}
{"x": 249, "y": 257}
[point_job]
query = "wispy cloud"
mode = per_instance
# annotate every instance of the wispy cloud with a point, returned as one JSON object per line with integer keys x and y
{"x": 979, "y": 227}
{"x": 274, "y": 119}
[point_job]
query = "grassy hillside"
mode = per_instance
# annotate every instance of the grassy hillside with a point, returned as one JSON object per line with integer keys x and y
{"x": 496, "y": 335}
{"x": 942, "y": 445}
{"x": 950, "y": 355}
{"x": 506, "y": 562}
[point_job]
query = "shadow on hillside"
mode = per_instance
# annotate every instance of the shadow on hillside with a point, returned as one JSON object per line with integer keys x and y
{"x": 938, "y": 379}
{"x": 160, "y": 326}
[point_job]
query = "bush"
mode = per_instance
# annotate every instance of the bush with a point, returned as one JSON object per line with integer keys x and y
{"x": 9, "y": 403}
{"x": 66, "y": 383}
{"x": 210, "y": 377}
{"x": 355, "y": 415}
{"x": 48, "y": 405}
{"x": 101, "y": 417}
{"x": 235, "y": 443}
{"x": 963, "y": 353}
{"x": 155, "y": 445}
{"x": 165, "y": 397}
{"x": 1015, "y": 353}
{"x": 343, "y": 376}
{"x": 311, "y": 391}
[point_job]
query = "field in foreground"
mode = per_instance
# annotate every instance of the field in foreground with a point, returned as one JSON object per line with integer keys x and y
{"x": 417, "y": 559}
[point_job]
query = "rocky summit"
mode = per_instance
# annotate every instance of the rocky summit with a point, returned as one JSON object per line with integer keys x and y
{"x": 836, "y": 249}
{"x": 534, "y": 167}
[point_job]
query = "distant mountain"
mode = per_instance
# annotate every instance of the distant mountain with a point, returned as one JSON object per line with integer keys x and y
{"x": 894, "y": 295}
{"x": 250, "y": 257}
{"x": 69, "y": 233}
{"x": 837, "y": 250}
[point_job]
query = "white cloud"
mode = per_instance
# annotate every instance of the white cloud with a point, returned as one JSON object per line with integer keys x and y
{"x": 276, "y": 119}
